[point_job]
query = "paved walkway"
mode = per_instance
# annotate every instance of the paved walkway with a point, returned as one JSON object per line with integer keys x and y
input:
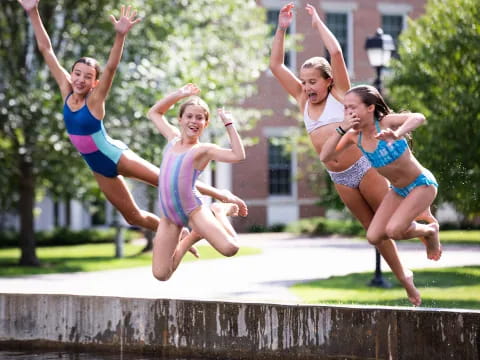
{"x": 285, "y": 260}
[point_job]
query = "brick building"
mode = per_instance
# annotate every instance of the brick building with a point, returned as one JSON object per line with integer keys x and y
{"x": 268, "y": 179}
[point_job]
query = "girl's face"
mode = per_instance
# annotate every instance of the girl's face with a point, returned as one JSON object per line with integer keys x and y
{"x": 314, "y": 85}
{"x": 354, "y": 105}
{"x": 83, "y": 78}
{"x": 193, "y": 121}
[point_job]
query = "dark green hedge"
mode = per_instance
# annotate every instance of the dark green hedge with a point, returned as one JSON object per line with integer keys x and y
{"x": 64, "y": 236}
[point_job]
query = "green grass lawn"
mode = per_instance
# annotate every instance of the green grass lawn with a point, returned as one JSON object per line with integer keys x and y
{"x": 455, "y": 287}
{"x": 92, "y": 257}
{"x": 467, "y": 237}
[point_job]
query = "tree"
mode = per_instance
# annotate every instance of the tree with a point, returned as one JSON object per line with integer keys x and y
{"x": 220, "y": 45}
{"x": 438, "y": 74}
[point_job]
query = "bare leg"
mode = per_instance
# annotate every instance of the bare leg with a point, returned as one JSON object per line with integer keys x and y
{"x": 221, "y": 211}
{"x": 133, "y": 166}
{"x": 164, "y": 245}
{"x": 363, "y": 203}
{"x": 401, "y": 224}
{"x": 204, "y": 222}
{"x": 116, "y": 191}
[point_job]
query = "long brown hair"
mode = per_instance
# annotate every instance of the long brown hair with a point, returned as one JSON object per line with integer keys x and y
{"x": 371, "y": 96}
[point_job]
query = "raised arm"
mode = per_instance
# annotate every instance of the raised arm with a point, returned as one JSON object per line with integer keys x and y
{"x": 339, "y": 70}
{"x": 287, "y": 79}
{"x": 61, "y": 76}
{"x": 399, "y": 125}
{"x": 157, "y": 111}
{"x": 236, "y": 153}
{"x": 122, "y": 26}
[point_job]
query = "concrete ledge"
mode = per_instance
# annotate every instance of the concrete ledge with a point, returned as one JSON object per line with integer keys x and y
{"x": 237, "y": 330}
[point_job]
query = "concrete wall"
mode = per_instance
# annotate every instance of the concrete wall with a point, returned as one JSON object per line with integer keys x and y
{"x": 237, "y": 331}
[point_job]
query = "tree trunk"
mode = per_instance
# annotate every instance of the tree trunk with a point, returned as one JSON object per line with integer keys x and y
{"x": 27, "y": 203}
{"x": 149, "y": 235}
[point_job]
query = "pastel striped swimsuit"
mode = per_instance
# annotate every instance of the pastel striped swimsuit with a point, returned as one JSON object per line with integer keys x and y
{"x": 177, "y": 194}
{"x": 89, "y": 137}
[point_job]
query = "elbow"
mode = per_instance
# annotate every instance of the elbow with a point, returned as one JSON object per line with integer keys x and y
{"x": 420, "y": 118}
{"x": 336, "y": 52}
{"x": 150, "y": 114}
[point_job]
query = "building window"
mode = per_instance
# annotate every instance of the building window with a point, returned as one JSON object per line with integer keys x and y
{"x": 338, "y": 25}
{"x": 279, "y": 169}
{"x": 393, "y": 25}
{"x": 272, "y": 20}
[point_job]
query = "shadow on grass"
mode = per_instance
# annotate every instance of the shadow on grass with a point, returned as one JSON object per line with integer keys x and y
{"x": 353, "y": 289}
{"x": 439, "y": 278}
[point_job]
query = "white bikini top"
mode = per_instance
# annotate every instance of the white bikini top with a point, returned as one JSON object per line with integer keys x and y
{"x": 333, "y": 113}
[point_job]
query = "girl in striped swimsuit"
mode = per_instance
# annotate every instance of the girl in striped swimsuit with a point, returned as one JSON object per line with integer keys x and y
{"x": 84, "y": 92}
{"x": 183, "y": 160}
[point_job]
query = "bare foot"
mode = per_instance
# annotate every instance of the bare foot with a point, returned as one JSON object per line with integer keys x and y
{"x": 432, "y": 242}
{"x": 412, "y": 292}
{"x": 231, "y": 198}
{"x": 426, "y": 217}
{"x": 185, "y": 232}
{"x": 228, "y": 209}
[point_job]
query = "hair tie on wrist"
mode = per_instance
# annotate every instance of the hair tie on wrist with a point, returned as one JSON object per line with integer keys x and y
{"x": 340, "y": 131}
{"x": 230, "y": 123}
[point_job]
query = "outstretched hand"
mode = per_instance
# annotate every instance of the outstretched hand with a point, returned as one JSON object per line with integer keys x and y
{"x": 313, "y": 13}
{"x": 28, "y": 5}
{"x": 126, "y": 20}
{"x": 387, "y": 135}
{"x": 189, "y": 90}
{"x": 285, "y": 16}
{"x": 226, "y": 116}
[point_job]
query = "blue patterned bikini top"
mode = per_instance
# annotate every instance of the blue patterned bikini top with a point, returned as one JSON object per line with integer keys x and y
{"x": 384, "y": 153}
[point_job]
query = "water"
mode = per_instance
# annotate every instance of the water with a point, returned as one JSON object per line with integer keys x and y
{"x": 62, "y": 355}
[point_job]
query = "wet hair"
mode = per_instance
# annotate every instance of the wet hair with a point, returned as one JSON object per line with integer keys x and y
{"x": 90, "y": 62}
{"x": 195, "y": 100}
{"x": 371, "y": 96}
{"x": 322, "y": 65}
{"x": 318, "y": 63}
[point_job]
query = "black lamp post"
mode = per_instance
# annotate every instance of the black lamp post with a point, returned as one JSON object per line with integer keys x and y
{"x": 379, "y": 50}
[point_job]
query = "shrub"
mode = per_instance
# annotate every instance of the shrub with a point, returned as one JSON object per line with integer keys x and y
{"x": 317, "y": 226}
{"x": 64, "y": 236}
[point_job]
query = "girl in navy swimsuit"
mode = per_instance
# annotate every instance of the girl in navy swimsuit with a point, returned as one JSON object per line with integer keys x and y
{"x": 380, "y": 134}
{"x": 319, "y": 90}
{"x": 85, "y": 92}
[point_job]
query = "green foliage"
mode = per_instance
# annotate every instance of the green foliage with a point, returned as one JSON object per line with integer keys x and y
{"x": 318, "y": 226}
{"x": 218, "y": 44}
{"x": 438, "y": 74}
{"x": 63, "y": 236}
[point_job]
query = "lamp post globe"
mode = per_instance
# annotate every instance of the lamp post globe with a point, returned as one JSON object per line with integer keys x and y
{"x": 379, "y": 49}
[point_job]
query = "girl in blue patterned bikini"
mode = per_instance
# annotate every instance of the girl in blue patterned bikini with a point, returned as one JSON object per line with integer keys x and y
{"x": 380, "y": 135}
{"x": 85, "y": 93}
{"x": 319, "y": 90}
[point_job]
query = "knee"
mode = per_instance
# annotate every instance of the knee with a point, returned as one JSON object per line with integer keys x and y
{"x": 133, "y": 217}
{"x": 374, "y": 238}
{"x": 230, "y": 249}
{"x": 394, "y": 232}
{"x": 162, "y": 275}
